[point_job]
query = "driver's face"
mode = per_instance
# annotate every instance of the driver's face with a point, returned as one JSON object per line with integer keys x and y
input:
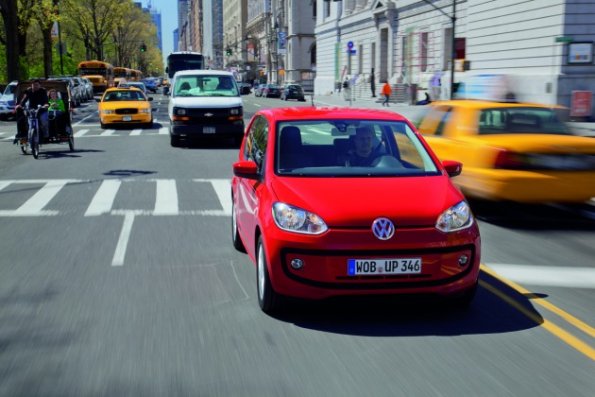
{"x": 36, "y": 86}
{"x": 363, "y": 143}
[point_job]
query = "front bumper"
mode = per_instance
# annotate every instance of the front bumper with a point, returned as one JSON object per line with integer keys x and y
{"x": 139, "y": 118}
{"x": 325, "y": 258}
{"x": 205, "y": 130}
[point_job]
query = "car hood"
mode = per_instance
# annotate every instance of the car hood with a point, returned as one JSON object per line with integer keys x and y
{"x": 348, "y": 202}
{"x": 541, "y": 143}
{"x": 207, "y": 102}
{"x": 7, "y": 98}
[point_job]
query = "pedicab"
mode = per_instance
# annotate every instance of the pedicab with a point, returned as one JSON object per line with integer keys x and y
{"x": 29, "y": 132}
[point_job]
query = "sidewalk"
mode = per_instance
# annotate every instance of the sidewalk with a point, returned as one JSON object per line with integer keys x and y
{"x": 412, "y": 112}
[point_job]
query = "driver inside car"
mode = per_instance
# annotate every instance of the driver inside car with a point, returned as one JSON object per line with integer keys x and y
{"x": 366, "y": 148}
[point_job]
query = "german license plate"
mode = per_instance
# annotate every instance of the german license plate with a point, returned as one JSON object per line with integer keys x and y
{"x": 208, "y": 130}
{"x": 127, "y": 118}
{"x": 369, "y": 267}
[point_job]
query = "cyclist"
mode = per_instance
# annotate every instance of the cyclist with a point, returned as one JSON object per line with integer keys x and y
{"x": 36, "y": 95}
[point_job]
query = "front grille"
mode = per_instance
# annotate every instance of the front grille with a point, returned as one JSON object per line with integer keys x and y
{"x": 126, "y": 111}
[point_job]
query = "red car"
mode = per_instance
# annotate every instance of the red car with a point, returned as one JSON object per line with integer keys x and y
{"x": 332, "y": 201}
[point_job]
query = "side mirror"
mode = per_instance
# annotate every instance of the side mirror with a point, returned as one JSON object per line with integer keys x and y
{"x": 97, "y": 99}
{"x": 150, "y": 98}
{"x": 453, "y": 168}
{"x": 246, "y": 169}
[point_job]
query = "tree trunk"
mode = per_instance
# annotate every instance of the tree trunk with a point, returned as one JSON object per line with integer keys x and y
{"x": 9, "y": 9}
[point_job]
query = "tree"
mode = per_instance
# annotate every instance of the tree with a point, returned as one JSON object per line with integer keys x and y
{"x": 9, "y": 10}
{"x": 95, "y": 20}
{"x": 46, "y": 14}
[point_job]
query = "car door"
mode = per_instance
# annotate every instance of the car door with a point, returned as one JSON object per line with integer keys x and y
{"x": 249, "y": 191}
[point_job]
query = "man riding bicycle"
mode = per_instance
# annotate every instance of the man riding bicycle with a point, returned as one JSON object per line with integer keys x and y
{"x": 36, "y": 95}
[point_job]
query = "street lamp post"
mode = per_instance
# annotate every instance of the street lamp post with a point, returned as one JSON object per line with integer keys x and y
{"x": 453, "y": 20}
{"x": 60, "y": 48}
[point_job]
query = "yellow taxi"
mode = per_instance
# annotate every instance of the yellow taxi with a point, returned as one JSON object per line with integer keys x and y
{"x": 512, "y": 151}
{"x": 125, "y": 106}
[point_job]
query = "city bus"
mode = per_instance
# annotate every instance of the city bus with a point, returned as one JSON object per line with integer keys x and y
{"x": 136, "y": 75}
{"x": 121, "y": 74}
{"x": 101, "y": 74}
{"x": 183, "y": 60}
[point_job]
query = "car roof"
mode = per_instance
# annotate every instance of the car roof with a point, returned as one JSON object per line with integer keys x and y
{"x": 122, "y": 89}
{"x": 329, "y": 112}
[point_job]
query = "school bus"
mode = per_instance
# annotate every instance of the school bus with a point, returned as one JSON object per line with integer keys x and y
{"x": 136, "y": 75}
{"x": 121, "y": 74}
{"x": 101, "y": 74}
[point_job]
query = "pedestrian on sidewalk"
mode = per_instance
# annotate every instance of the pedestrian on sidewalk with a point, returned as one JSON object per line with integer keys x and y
{"x": 386, "y": 91}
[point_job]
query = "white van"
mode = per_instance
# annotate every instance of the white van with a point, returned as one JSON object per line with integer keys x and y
{"x": 205, "y": 104}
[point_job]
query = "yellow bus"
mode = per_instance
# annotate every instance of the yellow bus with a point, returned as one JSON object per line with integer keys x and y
{"x": 137, "y": 75}
{"x": 101, "y": 74}
{"x": 121, "y": 75}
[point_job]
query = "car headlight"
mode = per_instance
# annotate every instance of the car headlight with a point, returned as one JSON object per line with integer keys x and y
{"x": 145, "y": 110}
{"x": 236, "y": 111}
{"x": 294, "y": 219}
{"x": 455, "y": 218}
{"x": 107, "y": 111}
{"x": 180, "y": 112}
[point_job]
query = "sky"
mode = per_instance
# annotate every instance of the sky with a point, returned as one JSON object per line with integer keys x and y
{"x": 169, "y": 21}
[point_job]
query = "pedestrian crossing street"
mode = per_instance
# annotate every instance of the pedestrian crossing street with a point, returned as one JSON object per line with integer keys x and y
{"x": 92, "y": 198}
{"x": 94, "y": 131}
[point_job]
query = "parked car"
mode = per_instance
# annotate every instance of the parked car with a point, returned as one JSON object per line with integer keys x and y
{"x": 271, "y": 91}
{"x": 317, "y": 223}
{"x": 258, "y": 89}
{"x": 125, "y": 105}
{"x": 293, "y": 91}
{"x": 512, "y": 151}
{"x": 7, "y": 101}
{"x": 80, "y": 85}
{"x": 76, "y": 94}
{"x": 88, "y": 87}
{"x": 151, "y": 85}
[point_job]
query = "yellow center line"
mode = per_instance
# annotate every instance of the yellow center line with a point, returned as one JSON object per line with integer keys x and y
{"x": 555, "y": 330}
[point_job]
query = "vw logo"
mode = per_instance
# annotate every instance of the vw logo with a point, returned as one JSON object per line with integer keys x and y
{"x": 383, "y": 228}
{"x": 208, "y": 114}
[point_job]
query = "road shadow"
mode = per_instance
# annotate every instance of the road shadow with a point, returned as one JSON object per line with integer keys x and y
{"x": 64, "y": 153}
{"x": 419, "y": 316}
{"x": 210, "y": 143}
{"x": 128, "y": 173}
{"x": 520, "y": 216}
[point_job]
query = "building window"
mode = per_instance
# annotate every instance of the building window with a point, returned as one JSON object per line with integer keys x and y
{"x": 327, "y": 9}
{"x": 424, "y": 51}
{"x": 460, "y": 45}
{"x": 314, "y": 6}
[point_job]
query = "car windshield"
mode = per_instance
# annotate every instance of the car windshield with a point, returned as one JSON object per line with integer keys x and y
{"x": 124, "y": 95}
{"x": 526, "y": 120}
{"x": 341, "y": 148}
{"x": 205, "y": 86}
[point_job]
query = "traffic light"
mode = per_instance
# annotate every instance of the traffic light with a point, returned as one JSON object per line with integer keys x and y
{"x": 143, "y": 48}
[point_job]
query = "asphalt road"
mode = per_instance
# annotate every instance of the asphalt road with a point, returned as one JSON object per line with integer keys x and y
{"x": 118, "y": 278}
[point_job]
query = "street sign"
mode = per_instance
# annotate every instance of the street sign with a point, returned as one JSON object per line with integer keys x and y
{"x": 564, "y": 39}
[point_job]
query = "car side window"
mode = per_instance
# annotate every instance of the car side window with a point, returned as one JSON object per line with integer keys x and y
{"x": 256, "y": 143}
{"x": 435, "y": 120}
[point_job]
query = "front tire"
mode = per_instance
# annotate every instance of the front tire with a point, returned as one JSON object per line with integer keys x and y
{"x": 235, "y": 234}
{"x": 34, "y": 144}
{"x": 71, "y": 143}
{"x": 268, "y": 299}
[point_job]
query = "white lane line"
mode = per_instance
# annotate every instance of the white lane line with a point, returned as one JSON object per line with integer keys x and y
{"x": 120, "y": 253}
{"x": 166, "y": 201}
{"x": 155, "y": 121}
{"x": 78, "y": 122}
{"x": 136, "y": 132}
{"x": 553, "y": 276}
{"x": 163, "y": 131}
{"x": 222, "y": 189}
{"x": 80, "y": 133}
{"x": 107, "y": 133}
{"x": 34, "y": 206}
{"x": 3, "y": 184}
{"x": 104, "y": 198}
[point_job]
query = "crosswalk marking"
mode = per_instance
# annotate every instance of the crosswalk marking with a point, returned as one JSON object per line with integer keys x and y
{"x": 107, "y": 132}
{"x": 163, "y": 131}
{"x": 102, "y": 202}
{"x": 80, "y": 133}
{"x": 135, "y": 132}
{"x": 104, "y": 198}
{"x": 166, "y": 202}
{"x": 34, "y": 206}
